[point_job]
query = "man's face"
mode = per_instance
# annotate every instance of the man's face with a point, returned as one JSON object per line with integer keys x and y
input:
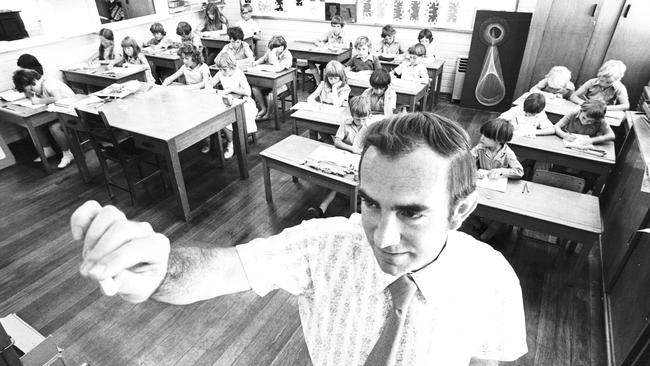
{"x": 405, "y": 203}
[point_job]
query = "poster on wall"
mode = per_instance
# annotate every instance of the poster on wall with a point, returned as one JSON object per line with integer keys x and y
{"x": 345, "y": 9}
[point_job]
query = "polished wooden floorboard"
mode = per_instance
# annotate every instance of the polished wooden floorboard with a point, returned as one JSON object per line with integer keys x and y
{"x": 39, "y": 277}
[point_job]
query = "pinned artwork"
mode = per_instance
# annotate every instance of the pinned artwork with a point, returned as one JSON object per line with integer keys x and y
{"x": 491, "y": 89}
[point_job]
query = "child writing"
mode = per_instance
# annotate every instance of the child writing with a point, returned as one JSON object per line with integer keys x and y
{"x": 334, "y": 89}
{"x": 213, "y": 21}
{"x": 280, "y": 59}
{"x": 332, "y": 38}
{"x": 348, "y": 137}
{"x": 106, "y": 44}
{"x": 382, "y": 97}
{"x": 131, "y": 55}
{"x": 557, "y": 82}
{"x": 388, "y": 44}
{"x": 589, "y": 120}
{"x": 425, "y": 38}
{"x": 530, "y": 116}
{"x": 27, "y": 61}
{"x": 606, "y": 87}
{"x": 195, "y": 71}
{"x": 363, "y": 60}
{"x": 248, "y": 25}
{"x": 42, "y": 90}
{"x": 160, "y": 39}
{"x": 234, "y": 83}
{"x": 493, "y": 154}
{"x": 184, "y": 30}
{"x": 412, "y": 69}
{"x": 237, "y": 47}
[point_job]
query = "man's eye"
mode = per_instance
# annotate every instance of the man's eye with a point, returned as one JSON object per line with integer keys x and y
{"x": 411, "y": 214}
{"x": 368, "y": 203}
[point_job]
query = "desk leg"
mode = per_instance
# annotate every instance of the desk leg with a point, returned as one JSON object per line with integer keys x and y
{"x": 39, "y": 148}
{"x": 582, "y": 261}
{"x": 412, "y": 102}
{"x": 353, "y": 200}
{"x": 266, "y": 173}
{"x": 77, "y": 151}
{"x": 177, "y": 181}
{"x": 294, "y": 95}
{"x": 600, "y": 183}
{"x": 438, "y": 85}
{"x": 239, "y": 140}
{"x": 423, "y": 103}
{"x": 275, "y": 106}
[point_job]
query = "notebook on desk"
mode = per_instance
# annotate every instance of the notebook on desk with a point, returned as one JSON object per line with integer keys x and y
{"x": 11, "y": 95}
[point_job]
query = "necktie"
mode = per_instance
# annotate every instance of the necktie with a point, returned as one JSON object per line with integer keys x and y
{"x": 385, "y": 350}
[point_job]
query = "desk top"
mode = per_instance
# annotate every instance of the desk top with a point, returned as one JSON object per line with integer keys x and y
{"x": 251, "y": 71}
{"x": 114, "y": 73}
{"x": 20, "y": 111}
{"x": 294, "y": 150}
{"x": 400, "y": 87}
{"x": 311, "y": 47}
{"x": 546, "y": 203}
{"x": 221, "y": 37}
{"x": 434, "y": 66}
{"x": 554, "y": 144}
{"x": 169, "y": 54}
{"x": 562, "y": 107}
{"x": 322, "y": 117}
{"x": 164, "y": 112}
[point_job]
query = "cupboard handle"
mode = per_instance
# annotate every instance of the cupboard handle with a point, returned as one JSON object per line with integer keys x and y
{"x": 593, "y": 11}
{"x": 627, "y": 10}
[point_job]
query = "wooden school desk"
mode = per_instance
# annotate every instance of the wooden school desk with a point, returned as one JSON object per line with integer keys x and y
{"x": 97, "y": 78}
{"x": 556, "y": 108}
{"x": 309, "y": 51}
{"x": 269, "y": 79}
{"x": 30, "y": 119}
{"x": 288, "y": 155}
{"x": 551, "y": 149}
{"x": 168, "y": 120}
{"x": 407, "y": 92}
{"x": 318, "y": 121}
{"x": 167, "y": 60}
{"x": 220, "y": 41}
{"x": 435, "y": 73}
{"x": 560, "y": 212}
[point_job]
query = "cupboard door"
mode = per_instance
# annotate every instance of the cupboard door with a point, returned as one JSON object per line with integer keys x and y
{"x": 138, "y": 8}
{"x": 630, "y": 45}
{"x": 567, "y": 32}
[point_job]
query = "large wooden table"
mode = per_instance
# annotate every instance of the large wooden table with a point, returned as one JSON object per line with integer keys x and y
{"x": 289, "y": 155}
{"x": 560, "y": 212}
{"x": 167, "y": 121}
{"x": 551, "y": 149}
{"x": 435, "y": 73}
{"x": 408, "y": 93}
{"x": 94, "y": 79}
{"x": 309, "y": 51}
{"x": 30, "y": 119}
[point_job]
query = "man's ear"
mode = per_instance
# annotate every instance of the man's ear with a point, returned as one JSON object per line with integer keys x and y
{"x": 463, "y": 209}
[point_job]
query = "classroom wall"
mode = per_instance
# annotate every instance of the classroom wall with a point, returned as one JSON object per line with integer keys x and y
{"x": 62, "y": 53}
{"x": 449, "y": 43}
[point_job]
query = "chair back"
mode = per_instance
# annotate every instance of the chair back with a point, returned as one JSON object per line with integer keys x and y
{"x": 96, "y": 126}
{"x": 559, "y": 180}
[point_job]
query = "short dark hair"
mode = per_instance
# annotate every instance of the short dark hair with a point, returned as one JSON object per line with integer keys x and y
{"x": 248, "y": 7}
{"x": 359, "y": 106}
{"x": 388, "y": 30}
{"x": 594, "y": 109}
{"x": 236, "y": 33}
{"x": 27, "y": 61}
{"x": 25, "y": 77}
{"x": 380, "y": 78}
{"x": 401, "y": 134}
{"x": 425, "y": 33}
{"x": 183, "y": 28}
{"x": 337, "y": 19}
{"x": 417, "y": 50}
{"x": 191, "y": 50}
{"x": 498, "y": 129}
{"x": 277, "y": 41}
{"x": 157, "y": 28}
{"x": 534, "y": 103}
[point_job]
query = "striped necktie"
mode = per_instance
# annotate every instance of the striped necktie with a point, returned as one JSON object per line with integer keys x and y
{"x": 385, "y": 350}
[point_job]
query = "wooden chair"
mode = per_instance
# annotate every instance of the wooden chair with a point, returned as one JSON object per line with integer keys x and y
{"x": 110, "y": 145}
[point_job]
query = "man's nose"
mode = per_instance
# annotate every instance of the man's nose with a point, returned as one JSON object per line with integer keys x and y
{"x": 388, "y": 231}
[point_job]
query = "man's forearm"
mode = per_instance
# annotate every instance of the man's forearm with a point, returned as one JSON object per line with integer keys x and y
{"x": 196, "y": 274}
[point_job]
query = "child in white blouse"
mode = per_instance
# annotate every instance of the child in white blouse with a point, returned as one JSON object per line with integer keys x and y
{"x": 234, "y": 83}
{"x": 425, "y": 38}
{"x": 131, "y": 55}
{"x": 195, "y": 71}
{"x": 334, "y": 89}
{"x": 280, "y": 58}
{"x": 412, "y": 69}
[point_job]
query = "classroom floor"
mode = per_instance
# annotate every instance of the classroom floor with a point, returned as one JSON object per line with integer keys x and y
{"x": 39, "y": 277}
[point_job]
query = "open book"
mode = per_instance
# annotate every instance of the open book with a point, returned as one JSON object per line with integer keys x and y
{"x": 333, "y": 161}
{"x": 11, "y": 95}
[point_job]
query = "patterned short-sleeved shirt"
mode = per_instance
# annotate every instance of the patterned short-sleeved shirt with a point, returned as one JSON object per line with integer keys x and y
{"x": 468, "y": 304}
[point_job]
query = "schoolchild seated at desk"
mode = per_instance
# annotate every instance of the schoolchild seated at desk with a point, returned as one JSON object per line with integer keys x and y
{"x": 248, "y": 24}
{"x": 349, "y": 137}
{"x": 42, "y": 90}
{"x": 280, "y": 59}
{"x": 412, "y": 69}
{"x": 383, "y": 99}
{"x": 530, "y": 116}
{"x": 389, "y": 45}
{"x": 493, "y": 154}
{"x": 160, "y": 39}
{"x": 589, "y": 120}
{"x": 184, "y": 30}
{"x": 332, "y": 38}
{"x": 556, "y": 82}
{"x": 239, "y": 49}
{"x": 213, "y": 21}
{"x": 105, "y": 53}
{"x": 195, "y": 71}
{"x": 132, "y": 55}
{"x": 425, "y": 38}
{"x": 334, "y": 89}
{"x": 362, "y": 59}
{"x": 607, "y": 87}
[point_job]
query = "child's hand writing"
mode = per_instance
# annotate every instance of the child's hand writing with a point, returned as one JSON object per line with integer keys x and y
{"x": 570, "y": 138}
{"x": 494, "y": 173}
